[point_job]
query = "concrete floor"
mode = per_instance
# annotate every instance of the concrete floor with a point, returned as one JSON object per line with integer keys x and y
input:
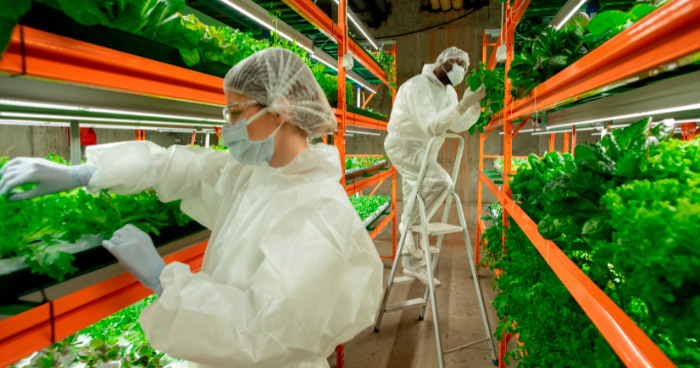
{"x": 406, "y": 342}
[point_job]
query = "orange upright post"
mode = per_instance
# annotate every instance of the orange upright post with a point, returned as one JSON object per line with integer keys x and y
{"x": 573, "y": 140}
{"x": 339, "y": 136}
{"x": 551, "y": 142}
{"x": 566, "y": 142}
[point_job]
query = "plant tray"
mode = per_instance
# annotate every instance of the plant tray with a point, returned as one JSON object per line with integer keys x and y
{"x": 17, "y": 279}
{"x": 353, "y": 173}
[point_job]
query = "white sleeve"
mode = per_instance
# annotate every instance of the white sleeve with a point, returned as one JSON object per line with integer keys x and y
{"x": 318, "y": 286}
{"x": 420, "y": 106}
{"x": 466, "y": 120}
{"x": 179, "y": 172}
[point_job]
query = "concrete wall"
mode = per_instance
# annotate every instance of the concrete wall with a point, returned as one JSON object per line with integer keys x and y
{"x": 38, "y": 141}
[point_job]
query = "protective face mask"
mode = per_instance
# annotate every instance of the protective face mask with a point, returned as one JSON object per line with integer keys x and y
{"x": 456, "y": 75}
{"x": 245, "y": 151}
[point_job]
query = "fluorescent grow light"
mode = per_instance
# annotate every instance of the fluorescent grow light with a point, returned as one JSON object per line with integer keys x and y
{"x": 362, "y": 133}
{"x": 360, "y": 26}
{"x": 638, "y": 114}
{"x": 559, "y": 23}
{"x": 90, "y": 118}
{"x": 43, "y": 105}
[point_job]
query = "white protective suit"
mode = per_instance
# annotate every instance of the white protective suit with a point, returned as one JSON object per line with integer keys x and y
{"x": 424, "y": 108}
{"x": 289, "y": 272}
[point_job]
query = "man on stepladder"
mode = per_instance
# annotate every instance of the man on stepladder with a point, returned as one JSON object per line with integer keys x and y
{"x": 427, "y": 106}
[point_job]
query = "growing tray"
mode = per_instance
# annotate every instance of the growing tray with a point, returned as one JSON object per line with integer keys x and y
{"x": 369, "y": 220}
{"x": 353, "y": 173}
{"x": 89, "y": 255}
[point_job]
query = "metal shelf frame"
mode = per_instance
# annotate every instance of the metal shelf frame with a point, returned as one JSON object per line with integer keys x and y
{"x": 665, "y": 36}
{"x": 40, "y": 55}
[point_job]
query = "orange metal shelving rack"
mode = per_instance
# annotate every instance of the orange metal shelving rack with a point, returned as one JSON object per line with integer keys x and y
{"x": 667, "y": 35}
{"x": 38, "y": 54}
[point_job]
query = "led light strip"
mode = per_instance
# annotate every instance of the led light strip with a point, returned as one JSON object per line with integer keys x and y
{"x": 635, "y": 115}
{"x": 571, "y": 14}
{"x": 43, "y": 105}
{"x": 88, "y": 118}
{"x": 357, "y": 23}
{"x": 263, "y": 23}
{"x": 362, "y": 133}
{"x": 311, "y": 52}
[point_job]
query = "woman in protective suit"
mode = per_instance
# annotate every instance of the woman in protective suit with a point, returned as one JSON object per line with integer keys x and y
{"x": 426, "y": 106}
{"x": 289, "y": 272}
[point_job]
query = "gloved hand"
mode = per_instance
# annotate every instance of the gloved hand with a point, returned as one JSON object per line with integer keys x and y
{"x": 135, "y": 251}
{"x": 470, "y": 98}
{"x": 49, "y": 177}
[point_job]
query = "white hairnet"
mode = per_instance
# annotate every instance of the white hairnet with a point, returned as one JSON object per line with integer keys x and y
{"x": 451, "y": 53}
{"x": 279, "y": 79}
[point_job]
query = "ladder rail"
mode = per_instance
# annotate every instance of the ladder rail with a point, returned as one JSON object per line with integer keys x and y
{"x": 432, "y": 259}
{"x": 479, "y": 294}
{"x": 431, "y": 282}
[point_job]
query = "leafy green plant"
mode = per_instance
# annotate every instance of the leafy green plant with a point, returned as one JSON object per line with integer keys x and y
{"x": 625, "y": 211}
{"x": 361, "y": 162}
{"x": 367, "y": 205}
{"x": 494, "y": 84}
{"x": 115, "y": 341}
{"x": 553, "y": 50}
{"x": 32, "y": 228}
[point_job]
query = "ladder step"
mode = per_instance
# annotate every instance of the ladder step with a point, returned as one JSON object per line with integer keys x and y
{"x": 437, "y": 228}
{"x": 412, "y": 303}
{"x": 402, "y": 280}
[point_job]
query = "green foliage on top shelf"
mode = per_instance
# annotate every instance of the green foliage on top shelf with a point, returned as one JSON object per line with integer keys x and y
{"x": 362, "y": 162}
{"x": 493, "y": 81}
{"x": 209, "y": 48}
{"x": 386, "y": 61}
{"x": 553, "y": 50}
{"x": 367, "y": 205}
{"x": 625, "y": 211}
{"x": 31, "y": 228}
{"x": 9, "y": 16}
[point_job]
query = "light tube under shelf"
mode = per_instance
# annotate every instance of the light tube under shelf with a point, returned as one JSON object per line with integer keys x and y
{"x": 263, "y": 23}
{"x": 362, "y": 133}
{"x": 360, "y": 26}
{"x": 90, "y": 118}
{"x": 568, "y": 15}
{"x": 43, "y": 105}
{"x": 635, "y": 115}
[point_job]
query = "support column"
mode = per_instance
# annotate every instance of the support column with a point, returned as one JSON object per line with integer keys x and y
{"x": 75, "y": 158}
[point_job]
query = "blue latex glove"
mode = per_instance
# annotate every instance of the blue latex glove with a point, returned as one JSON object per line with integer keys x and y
{"x": 49, "y": 177}
{"x": 135, "y": 251}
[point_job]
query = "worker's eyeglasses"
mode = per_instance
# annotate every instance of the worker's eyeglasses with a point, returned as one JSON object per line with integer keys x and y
{"x": 233, "y": 112}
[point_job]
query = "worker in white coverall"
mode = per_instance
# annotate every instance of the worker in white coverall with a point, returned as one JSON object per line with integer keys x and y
{"x": 427, "y": 106}
{"x": 289, "y": 272}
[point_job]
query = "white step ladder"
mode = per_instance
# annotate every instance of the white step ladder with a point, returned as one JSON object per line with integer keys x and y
{"x": 439, "y": 229}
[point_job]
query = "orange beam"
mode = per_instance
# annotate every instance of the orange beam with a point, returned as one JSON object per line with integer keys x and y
{"x": 309, "y": 11}
{"x": 551, "y": 142}
{"x": 56, "y": 57}
{"x": 355, "y": 187}
{"x": 365, "y": 102}
{"x": 360, "y": 120}
{"x": 630, "y": 343}
{"x": 667, "y": 34}
{"x": 381, "y": 227}
{"x": 27, "y": 332}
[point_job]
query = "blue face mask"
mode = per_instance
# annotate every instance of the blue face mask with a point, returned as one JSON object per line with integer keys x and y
{"x": 245, "y": 151}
